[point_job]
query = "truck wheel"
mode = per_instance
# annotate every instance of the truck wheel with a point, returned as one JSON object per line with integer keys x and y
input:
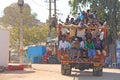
{"x": 68, "y": 72}
{"x": 97, "y": 71}
{"x": 63, "y": 71}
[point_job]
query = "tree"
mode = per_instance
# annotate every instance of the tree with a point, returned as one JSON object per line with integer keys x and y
{"x": 78, "y": 5}
{"x": 32, "y": 35}
{"x": 12, "y": 15}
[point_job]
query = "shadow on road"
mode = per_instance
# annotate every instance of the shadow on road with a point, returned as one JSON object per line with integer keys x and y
{"x": 18, "y": 72}
{"x": 87, "y": 75}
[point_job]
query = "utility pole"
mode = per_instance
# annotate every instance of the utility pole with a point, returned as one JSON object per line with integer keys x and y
{"x": 55, "y": 8}
{"x": 49, "y": 9}
{"x": 52, "y": 18}
{"x": 20, "y": 4}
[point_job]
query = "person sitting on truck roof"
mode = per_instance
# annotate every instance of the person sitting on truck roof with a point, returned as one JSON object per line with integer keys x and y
{"x": 75, "y": 47}
{"x": 89, "y": 45}
{"x": 72, "y": 21}
{"x": 81, "y": 24}
{"x": 94, "y": 15}
{"x": 78, "y": 17}
{"x": 67, "y": 20}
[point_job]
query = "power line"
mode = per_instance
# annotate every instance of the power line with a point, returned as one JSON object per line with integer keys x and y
{"x": 42, "y": 5}
{"x": 36, "y": 3}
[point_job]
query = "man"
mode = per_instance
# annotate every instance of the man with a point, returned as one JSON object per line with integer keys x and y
{"x": 98, "y": 45}
{"x": 89, "y": 45}
{"x": 62, "y": 44}
{"x": 88, "y": 34}
{"x": 76, "y": 47}
{"x": 68, "y": 47}
{"x": 69, "y": 37}
{"x": 67, "y": 20}
{"x": 82, "y": 46}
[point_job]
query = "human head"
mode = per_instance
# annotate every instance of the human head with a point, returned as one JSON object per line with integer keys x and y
{"x": 98, "y": 37}
{"x": 68, "y": 16}
{"x": 88, "y": 11}
{"x": 89, "y": 40}
{"x": 76, "y": 40}
{"x": 63, "y": 37}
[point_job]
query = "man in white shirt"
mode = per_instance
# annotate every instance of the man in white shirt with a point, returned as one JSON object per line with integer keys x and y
{"x": 62, "y": 44}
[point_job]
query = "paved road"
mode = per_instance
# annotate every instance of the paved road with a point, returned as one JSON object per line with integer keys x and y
{"x": 109, "y": 74}
{"x": 52, "y": 72}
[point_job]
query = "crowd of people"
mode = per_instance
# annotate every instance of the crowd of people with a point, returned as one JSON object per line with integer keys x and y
{"x": 88, "y": 46}
{"x": 90, "y": 43}
{"x": 85, "y": 19}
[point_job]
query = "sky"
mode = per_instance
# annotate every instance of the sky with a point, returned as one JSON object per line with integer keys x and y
{"x": 40, "y": 7}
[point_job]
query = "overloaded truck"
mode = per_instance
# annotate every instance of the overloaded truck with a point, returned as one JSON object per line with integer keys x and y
{"x": 84, "y": 61}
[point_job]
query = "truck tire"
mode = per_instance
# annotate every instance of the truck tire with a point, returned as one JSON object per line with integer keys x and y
{"x": 65, "y": 71}
{"x": 97, "y": 71}
{"x": 68, "y": 72}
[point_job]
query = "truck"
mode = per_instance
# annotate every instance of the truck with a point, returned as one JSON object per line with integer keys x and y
{"x": 84, "y": 62}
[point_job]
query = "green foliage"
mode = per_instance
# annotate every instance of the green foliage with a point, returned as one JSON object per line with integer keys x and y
{"x": 32, "y": 35}
{"x": 12, "y": 15}
{"x": 75, "y": 5}
{"x": 14, "y": 37}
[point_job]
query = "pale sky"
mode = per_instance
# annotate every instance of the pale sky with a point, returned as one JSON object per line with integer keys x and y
{"x": 40, "y": 7}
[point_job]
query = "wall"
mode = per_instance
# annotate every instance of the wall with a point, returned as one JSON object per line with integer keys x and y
{"x": 4, "y": 47}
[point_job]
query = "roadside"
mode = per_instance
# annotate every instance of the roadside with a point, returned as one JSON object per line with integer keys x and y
{"x": 52, "y": 72}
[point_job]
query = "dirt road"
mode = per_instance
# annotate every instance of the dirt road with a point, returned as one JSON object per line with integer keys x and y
{"x": 52, "y": 72}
